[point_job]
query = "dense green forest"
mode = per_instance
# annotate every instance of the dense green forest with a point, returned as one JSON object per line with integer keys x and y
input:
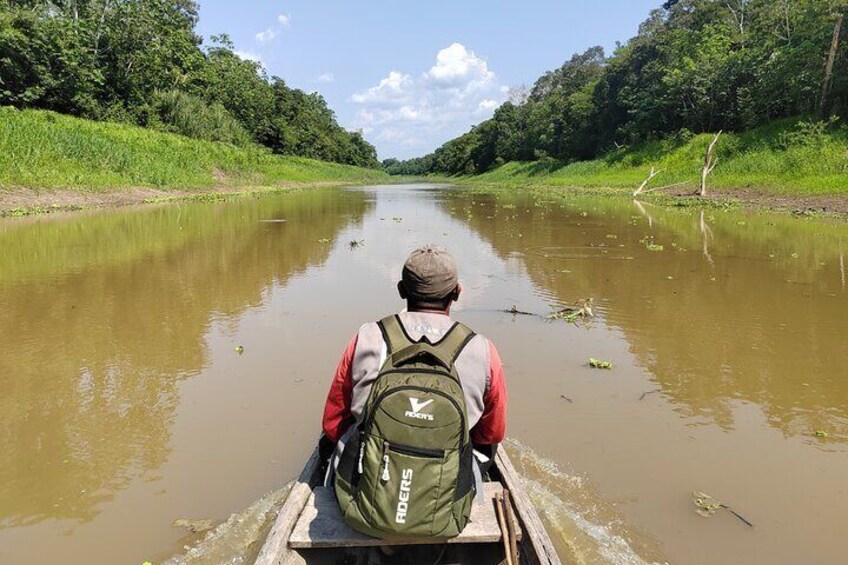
{"x": 141, "y": 62}
{"x": 695, "y": 66}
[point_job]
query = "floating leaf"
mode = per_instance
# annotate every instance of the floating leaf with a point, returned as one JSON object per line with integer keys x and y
{"x": 325, "y": 240}
{"x": 598, "y": 364}
{"x": 705, "y": 504}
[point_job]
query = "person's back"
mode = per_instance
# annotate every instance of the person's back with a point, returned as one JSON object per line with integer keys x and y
{"x": 411, "y": 394}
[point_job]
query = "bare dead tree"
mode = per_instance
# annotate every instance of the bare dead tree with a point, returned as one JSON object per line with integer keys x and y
{"x": 710, "y": 162}
{"x": 831, "y": 58}
{"x": 99, "y": 31}
{"x": 518, "y": 95}
{"x": 738, "y": 9}
{"x": 647, "y": 180}
{"x": 786, "y": 22}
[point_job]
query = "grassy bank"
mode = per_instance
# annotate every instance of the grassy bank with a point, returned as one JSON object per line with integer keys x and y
{"x": 46, "y": 152}
{"x": 786, "y": 158}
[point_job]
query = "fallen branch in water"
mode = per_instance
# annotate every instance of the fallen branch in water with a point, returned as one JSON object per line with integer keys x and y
{"x": 737, "y": 514}
{"x": 573, "y": 313}
{"x": 516, "y": 312}
{"x": 644, "y": 394}
{"x": 566, "y": 398}
{"x": 707, "y": 506}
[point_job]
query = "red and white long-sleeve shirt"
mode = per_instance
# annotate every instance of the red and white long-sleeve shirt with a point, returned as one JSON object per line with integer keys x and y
{"x": 479, "y": 367}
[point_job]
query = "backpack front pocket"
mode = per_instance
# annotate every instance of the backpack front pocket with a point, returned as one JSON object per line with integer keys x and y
{"x": 407, "y": 489}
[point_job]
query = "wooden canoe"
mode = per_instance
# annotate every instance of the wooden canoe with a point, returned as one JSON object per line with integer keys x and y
{"x": 309, "y": 529}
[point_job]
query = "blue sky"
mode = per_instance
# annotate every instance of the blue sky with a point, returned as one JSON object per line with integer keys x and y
{"x": 412, "y": 75}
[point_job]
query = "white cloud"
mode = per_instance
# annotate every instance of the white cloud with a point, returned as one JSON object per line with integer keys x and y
{"x": 284, "y": 20}
{"x": 326, "y": 77}
{"x": 457, "y": 67}
{"x": 488, "y": 104}
{"x": 265, "y": 36}
{"x": 407, "y": 117}
{"x": 396, "y": 87}
{"x": 248, "y": 56}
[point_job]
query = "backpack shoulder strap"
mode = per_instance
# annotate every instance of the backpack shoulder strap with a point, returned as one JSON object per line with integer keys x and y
{"x": 449, "y": 347}
{"x": 454, "y": 342}
{"x": 394, "y": 334}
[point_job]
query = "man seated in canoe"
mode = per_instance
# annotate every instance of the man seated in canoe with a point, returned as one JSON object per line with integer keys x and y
{"x": 412, "y": 396}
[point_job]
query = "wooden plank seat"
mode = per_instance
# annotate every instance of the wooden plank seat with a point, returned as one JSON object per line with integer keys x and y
{"x": 321, "y": 525}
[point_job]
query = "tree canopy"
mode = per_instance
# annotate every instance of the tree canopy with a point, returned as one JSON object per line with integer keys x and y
{"x": 142, "y": 62}
{"x": 695, "y": 66}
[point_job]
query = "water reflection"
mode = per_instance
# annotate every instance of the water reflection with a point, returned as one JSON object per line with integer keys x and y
{"x": 103, "y": 314}
{"x": 716, "y": 305}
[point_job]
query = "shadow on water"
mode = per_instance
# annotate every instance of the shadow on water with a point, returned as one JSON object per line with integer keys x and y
{"x": 103, "y": 314}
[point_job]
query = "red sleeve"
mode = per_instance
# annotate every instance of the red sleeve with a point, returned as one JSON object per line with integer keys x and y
{"x": 337, "y": 414}
{"x": 492, "y": 425}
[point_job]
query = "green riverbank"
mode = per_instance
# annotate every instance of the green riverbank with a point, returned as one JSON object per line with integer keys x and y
{"x": 50, "y": 161}
{"x": 787, "y": 165}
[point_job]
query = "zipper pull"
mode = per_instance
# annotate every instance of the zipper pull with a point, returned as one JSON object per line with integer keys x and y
{"x": 361, "y": 457}
{"x": 385, "y": 475}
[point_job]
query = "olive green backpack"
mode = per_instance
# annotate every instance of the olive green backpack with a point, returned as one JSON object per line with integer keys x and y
{"x": 407, "y": 471}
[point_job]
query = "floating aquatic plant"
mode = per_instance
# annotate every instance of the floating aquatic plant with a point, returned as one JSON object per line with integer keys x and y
{"x": 598, "y": 364}
{"x": 572, "y": 314}
{"x": 706, "y": 506}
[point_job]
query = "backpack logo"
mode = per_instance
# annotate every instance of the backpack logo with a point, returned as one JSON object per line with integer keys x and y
{"x": 417, "y": 406}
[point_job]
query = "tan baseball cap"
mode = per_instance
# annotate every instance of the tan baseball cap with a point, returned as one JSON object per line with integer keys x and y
{"x": 430, "y": 273}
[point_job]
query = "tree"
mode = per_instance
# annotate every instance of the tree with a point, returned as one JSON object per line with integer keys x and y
{"x": 141, "y": 61}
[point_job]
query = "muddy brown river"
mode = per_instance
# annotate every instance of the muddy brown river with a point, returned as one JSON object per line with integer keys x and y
{"x": 124, "y": 405}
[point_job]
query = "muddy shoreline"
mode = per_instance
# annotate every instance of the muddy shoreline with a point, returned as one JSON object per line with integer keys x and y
{"x": 26, "y": 201}
{"x": 15, "y": 202}
{"x": 833, "y": 206}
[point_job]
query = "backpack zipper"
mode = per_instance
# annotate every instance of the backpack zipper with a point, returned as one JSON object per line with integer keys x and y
{"x": 385, "y": 476}
{"x": 440, "y": 372}
{"x": 406, "y": 450}
{"x": 416, "y": 451}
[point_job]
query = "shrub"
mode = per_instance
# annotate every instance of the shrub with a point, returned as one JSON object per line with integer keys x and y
{"x": 177, "y": 112}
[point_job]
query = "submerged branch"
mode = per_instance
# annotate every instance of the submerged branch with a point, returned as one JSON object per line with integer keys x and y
{"x": 645, "y": 394}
